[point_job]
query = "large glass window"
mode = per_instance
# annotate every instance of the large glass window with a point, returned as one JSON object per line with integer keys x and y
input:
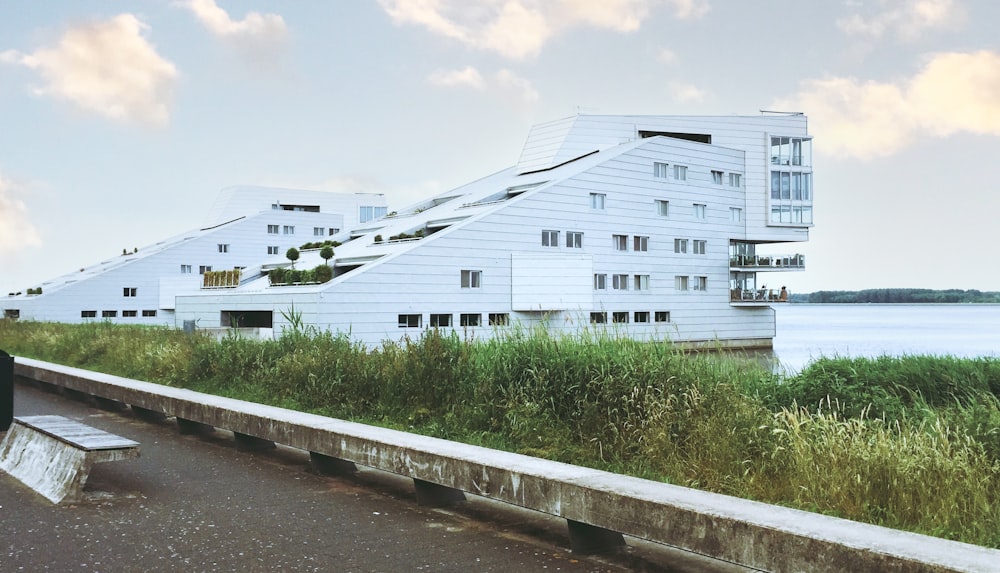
{"x": 791, "y": 151}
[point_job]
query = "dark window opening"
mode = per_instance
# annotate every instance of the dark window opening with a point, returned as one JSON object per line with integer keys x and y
{"x": 696, "y": 137}
{"x": 247, "y": 318}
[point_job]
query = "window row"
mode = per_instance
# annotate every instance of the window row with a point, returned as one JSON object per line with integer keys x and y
{"x": 663, "y": 170}
{"x": 698, "y": 246}
{"x": 791, "y": 186}
{"x": 791, "y": 214}
{"x": 684, "y": 283}
{"x": 791, "y": 151}
{"x": 621, "y": 282}
{"x": 640, "y": 243}
{"x": 202, "y": 269}
{"x": 368, "y": 213}
{"x": 574, "y": 239}
{"x": 620, "y": 317}
{"x": 445, "y": 320}
{"x": 114, "y": 313}
{"x": 662, "y": 208}
{"x": 289, "y": 229}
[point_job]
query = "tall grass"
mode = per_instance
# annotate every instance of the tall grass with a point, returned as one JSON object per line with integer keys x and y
{"x": 911, "y": 442}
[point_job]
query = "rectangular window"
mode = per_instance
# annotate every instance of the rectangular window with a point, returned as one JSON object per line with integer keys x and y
{"x": 272, "y": 229}
{"x": 202, "y": 269}
{"x": 680, "y": 283}
{"x": 223, "y": 248}
{"x": 129, "y": 291}
{"x": 640, "y": 244}
{"x": 641, "y": 316}
{"x": 620, "y": 317}
{"x": 368, "y": 213}
{"x": 109, "y": 314}
{"x": 574, "y": 240}
{"x": 600, "y": 282}
{"x": 698, "y": 247}
{"x": 660, "y": 170}
{"x": 272, "y": 250}
{"x": 130, "y": 313}
{"x": 440, "y": 320}
{"x": 680, "y": 172}
{"x": 680, "y": 245}
{"x": 699, "y": 211}
{"x": 469, "y": 319}
{"x": 319, "y": 231}
{"x": 735, "y": 214}
{"x": 550, "y": 238}
{"x": 409, "y": 321}
{"x": 735, "y": 179}
{"x": 620, "y": 242}
{"x": 334, "y": 231}
{"x": 619, "y": 282}
{"x": 149, "y": 313}
{"x": 499, "y": 319}
{"x": 662, "y": 208}
{"x": 88, "y": 314}
{"x": 289, "y": 229}
{"x": 662, "y": 316}
{"x": 641, "y": 282}
{"x": 597, "y": 201}
{"x": 717, "y": 177}
{"x": 472, "y": 279}
{"x": 185, "y": 269}
{"x": 700, "y": 283}
{"x": 598, "y": 318}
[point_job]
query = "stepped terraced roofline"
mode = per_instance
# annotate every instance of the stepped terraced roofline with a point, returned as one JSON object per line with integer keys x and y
{"x": 641, "y": 224}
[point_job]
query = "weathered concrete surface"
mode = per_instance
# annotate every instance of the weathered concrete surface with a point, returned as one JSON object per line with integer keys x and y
{"x": 757, "y": 535}
{"x": 197, "y": 503}
{"x": 55, "y": 468}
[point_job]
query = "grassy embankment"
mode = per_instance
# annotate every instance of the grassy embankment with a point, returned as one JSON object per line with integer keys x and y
{"x": 910, "y": 443}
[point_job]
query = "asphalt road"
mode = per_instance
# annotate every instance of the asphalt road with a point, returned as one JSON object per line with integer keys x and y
{"x": 196, "y": 503}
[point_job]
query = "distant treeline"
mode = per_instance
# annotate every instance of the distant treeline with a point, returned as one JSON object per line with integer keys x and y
{"x": 899, "y": 295}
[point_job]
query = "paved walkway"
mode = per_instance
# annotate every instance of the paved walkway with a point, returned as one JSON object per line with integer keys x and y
{"x": 195, "y": 503}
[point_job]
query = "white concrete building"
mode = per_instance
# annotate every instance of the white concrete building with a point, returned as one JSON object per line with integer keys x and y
{"x": 246, "y": 227}
{"x": 648, "y": 225}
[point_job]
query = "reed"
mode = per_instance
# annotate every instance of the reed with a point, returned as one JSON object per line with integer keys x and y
{"x": 910, "y": 442}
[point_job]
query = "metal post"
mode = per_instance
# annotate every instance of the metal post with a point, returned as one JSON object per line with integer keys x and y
{"x": 6, "y": 390}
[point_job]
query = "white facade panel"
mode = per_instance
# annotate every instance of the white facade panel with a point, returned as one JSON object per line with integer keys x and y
{"x": 543, "y": 282}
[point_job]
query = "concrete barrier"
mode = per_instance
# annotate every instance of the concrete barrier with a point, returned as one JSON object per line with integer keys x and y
{"x": 598, "y": 506}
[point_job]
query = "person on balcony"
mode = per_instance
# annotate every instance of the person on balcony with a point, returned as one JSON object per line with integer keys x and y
{"x": 783, "y": 295}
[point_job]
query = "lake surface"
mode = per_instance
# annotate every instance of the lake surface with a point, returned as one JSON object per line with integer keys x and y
{"x": 808, "y": 331}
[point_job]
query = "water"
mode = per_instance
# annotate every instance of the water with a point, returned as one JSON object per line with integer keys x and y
{"x": 808, "y": 331}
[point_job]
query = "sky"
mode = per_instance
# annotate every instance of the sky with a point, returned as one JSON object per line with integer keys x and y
{"x": 121, "y": 121}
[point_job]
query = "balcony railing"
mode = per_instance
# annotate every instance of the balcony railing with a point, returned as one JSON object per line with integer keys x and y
{"x": 768, "y": 262}
{"x": 759, "y": 296}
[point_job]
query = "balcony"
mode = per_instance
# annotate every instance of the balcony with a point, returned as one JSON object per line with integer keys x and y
{"x": 757, "y": 297}
{"x": 767, "y": 262}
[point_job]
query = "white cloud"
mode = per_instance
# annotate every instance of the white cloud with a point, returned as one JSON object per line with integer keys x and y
{"x": 952, "y": 93}
{"x": 16, "y": 230}
{"x": 258, "y": 38}
{"x": 687, "y": 92}
{"x": 106, "y": 67}
{"x": 466, "y": 77}
{"x": 667, "y": 56}
{"x": 689, "y": 9}
{"x": 267, "y": 27}
{"x": 518, "y": 29}
{"x": 523, "y": 90}
{"x": 908, "y": 19}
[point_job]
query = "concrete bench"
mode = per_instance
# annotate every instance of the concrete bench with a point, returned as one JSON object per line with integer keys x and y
{"x": 54, "y": 455}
